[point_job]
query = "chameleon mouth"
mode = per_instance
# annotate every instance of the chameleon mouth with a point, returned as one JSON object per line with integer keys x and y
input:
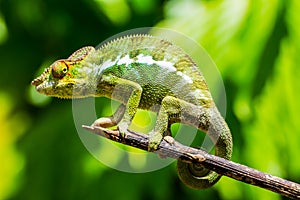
{"x": 43, "y": 86}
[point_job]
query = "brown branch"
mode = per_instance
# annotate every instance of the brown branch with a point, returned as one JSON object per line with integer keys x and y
{"x": 171, "y": 148}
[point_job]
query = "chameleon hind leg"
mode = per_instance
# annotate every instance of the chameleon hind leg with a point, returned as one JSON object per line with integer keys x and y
{"x": 206, "y": 119}
{"x": 195, "y": 175}
{"x": 169, "y": 112}
{"x": 169, "y": 106}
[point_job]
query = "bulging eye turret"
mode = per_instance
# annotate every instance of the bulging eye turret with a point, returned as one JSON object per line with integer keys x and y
{"x": 59, "y": 69}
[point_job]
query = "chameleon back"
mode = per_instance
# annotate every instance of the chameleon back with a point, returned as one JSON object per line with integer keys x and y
{"x": 161, "y": 68}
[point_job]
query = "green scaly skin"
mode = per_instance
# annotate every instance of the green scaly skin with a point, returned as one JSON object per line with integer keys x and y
{"x": 145, "y": 72}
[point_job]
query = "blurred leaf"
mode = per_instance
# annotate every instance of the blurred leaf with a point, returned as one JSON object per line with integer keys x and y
{"x": 274, "y": 132}
{"x": 36, "y": 98}
{"x": 143, "y": 7}
{"x": 30, "y": 13}
{"x": 3, "y": 30}
{"x": 117, "y": 11}
{"x": 12, "y": 161}
{"x": 143, "y": 121}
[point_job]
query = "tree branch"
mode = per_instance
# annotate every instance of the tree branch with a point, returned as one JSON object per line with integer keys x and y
{"x": 173, "y": 149}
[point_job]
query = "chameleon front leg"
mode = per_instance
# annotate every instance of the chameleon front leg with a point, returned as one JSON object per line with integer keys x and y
{"x": 106, "y": 122}
{"x": 206, "y": 119}
{"x": 129, "y": 94}
{"x": 132, "y": 104}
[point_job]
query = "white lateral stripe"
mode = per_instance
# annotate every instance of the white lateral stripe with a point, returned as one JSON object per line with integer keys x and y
{"x": 141, "y": 58}
{"x": 149, "y": 60}
{"x": 125, "y": 60}
{"x": 107, "y": 64}
{"x": 185, "y": 77}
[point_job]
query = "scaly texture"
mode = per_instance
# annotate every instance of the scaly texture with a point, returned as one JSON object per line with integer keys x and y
{"x": 146, "y": 72}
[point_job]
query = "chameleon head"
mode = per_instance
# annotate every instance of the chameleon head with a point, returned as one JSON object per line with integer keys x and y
{"x": 57, "y": 80}
{"x": 63, "y": 79}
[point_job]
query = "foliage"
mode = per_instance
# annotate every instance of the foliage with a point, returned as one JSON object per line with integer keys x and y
{"x": 254, "y": 44}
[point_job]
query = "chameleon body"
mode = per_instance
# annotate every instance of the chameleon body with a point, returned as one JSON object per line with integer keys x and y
{"x": 150, "y": 73}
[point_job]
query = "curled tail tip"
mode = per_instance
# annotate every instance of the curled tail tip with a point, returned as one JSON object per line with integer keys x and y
{"x": 196, "y": 176}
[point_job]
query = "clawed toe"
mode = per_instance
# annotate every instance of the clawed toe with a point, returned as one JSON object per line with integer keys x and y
{"x": 104, "y": 122}
{"x": 154, "y": 141}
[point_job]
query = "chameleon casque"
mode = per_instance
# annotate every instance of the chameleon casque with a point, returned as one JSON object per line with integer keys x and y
{"x": 145, "y": 72}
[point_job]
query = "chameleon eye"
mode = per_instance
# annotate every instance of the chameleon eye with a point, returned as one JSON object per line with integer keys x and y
{"x": 59, "y": 69}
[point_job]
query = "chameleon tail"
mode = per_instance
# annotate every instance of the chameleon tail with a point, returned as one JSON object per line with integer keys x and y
{"x": 195, "y": 175}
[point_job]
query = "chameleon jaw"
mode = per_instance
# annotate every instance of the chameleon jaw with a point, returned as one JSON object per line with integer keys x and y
{"x": 43, "y": 87}
{"x": 63, "y": 89}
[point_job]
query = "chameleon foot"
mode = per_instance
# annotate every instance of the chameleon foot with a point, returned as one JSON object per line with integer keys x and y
{"x": 154, "y": 141}
{"x": 169, "y": 139}
{"x": 104, "y": 122}
{"x": 123, "y": 126}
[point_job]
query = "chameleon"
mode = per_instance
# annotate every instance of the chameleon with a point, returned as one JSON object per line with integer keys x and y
{"x": 144, "y": 72}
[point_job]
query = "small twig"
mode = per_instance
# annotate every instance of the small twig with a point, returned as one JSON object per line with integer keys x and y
{"x": 171, "y": 148}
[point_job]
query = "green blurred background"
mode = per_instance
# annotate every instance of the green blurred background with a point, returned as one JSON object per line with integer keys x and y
{"x": 254, "y": 43}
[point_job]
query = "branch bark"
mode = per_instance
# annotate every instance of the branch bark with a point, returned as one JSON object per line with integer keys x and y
{"x": 173, "y": 149}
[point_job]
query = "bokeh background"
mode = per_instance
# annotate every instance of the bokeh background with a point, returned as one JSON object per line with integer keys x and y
{"x": 254, "y": 43}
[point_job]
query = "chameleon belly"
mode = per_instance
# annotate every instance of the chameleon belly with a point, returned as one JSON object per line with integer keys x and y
{"x": 144, "y": 72}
